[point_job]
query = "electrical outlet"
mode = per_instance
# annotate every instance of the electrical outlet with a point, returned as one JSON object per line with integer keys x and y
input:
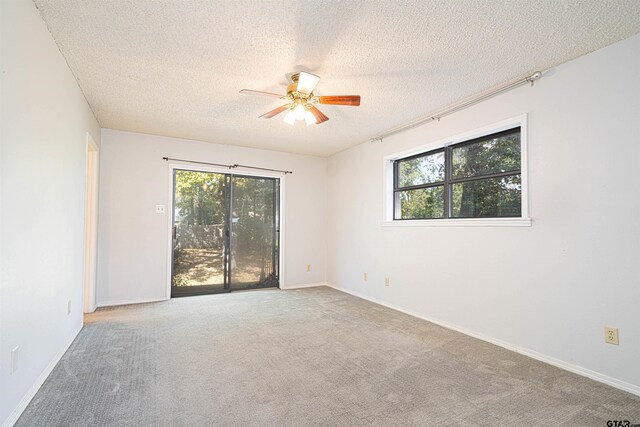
{"x": 386, "y": 281}
{"x": 308, "y": 268}
{"x": 365, "y": 277}
{"x": 611, "y": 335}
{"x": 159, "y": 209}
{"x": 69, "y": 307}
{"x": 14, "y": 359}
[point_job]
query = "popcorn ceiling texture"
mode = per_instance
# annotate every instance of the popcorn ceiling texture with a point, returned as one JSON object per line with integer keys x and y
{"x": 174, "y": 68}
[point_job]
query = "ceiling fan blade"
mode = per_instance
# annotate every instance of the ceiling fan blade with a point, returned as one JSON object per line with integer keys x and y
{"x": 259, "y": 92}
{"x": 275, "y": 112}
{"x": 352, "y": 100}
{"x": 307, "y": 82}
{"x": 320, "y": 117}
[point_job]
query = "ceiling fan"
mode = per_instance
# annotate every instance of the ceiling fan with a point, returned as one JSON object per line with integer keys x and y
{"x": 301, "y": 100}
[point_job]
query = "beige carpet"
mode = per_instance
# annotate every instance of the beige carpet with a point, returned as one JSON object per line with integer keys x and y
{"x": 303, "y": 357}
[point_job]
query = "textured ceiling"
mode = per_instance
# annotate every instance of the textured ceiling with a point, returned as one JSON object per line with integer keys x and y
{"x": 174, "y": 68}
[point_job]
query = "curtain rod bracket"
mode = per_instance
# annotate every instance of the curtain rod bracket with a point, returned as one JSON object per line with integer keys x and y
{"x": 535, "y": 76}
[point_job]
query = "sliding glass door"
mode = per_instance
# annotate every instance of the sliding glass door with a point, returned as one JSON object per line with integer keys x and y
{"x": 199, "y": 232}
{"x": 254, "y": 232}
{"x": 225, "y": 232}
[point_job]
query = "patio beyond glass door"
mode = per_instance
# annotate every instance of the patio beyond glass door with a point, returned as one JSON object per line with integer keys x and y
{"x": 225, "y": 232}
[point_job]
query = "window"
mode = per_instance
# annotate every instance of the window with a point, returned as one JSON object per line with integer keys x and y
{"x": 477, "y": 178}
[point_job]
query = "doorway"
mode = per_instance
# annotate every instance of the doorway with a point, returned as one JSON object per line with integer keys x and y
{"x": 225, "y": 232}
{"x": 91, "y": 226}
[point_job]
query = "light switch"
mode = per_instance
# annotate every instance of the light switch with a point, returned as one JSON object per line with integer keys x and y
{"x": 160, "y": 209}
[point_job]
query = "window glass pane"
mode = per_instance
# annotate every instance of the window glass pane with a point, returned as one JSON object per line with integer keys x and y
{"x": 493, "y": 155}
{"x": 421, "y": 170}
{"x": 420, "y": 203}
{"x": 493, "y": 197}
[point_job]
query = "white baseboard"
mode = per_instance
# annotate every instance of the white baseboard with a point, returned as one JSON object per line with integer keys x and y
{"x": 129, "y": 301}
{"x": 24, "y": 402}
{"x": 596, "y": 376}
{"x": 304, "y": 285}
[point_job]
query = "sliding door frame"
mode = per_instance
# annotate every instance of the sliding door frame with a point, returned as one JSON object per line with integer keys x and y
{"x": 173, "y": 166}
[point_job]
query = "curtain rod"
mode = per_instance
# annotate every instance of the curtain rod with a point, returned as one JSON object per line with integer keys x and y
{"x": 226, "y": 166}
{"x": 457, "y": 107}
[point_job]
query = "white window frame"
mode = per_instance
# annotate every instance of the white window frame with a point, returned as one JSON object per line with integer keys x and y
{"x": 388, "y": 170}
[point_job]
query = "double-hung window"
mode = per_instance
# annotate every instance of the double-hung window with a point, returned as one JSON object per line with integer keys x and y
{"x": 477, "y": 178}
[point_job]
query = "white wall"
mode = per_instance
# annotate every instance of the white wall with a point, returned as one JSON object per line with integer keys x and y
{"x": 43, "y": 132}
{"x": 551, "y": 287}
{"x": 133, "y": 239}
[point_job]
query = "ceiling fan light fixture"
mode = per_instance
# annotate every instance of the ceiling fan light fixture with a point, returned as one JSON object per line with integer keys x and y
{"x": 300, "y": 111}
{"x": 290, "y": 118}
{"x": 309, "y": 118}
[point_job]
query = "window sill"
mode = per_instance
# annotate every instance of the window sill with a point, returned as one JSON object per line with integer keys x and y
{"x": 461, "y": 222}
